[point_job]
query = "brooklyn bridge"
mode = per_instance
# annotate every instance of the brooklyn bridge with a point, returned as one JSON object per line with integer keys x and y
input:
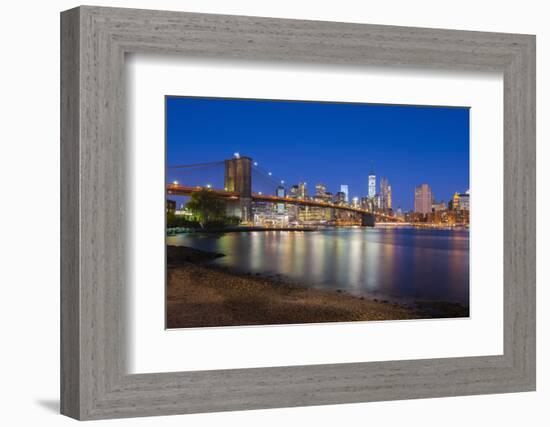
{"x": 240, "y": 176}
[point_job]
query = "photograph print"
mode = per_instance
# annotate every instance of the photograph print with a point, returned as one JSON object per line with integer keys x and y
{"x": 294, "y": 212}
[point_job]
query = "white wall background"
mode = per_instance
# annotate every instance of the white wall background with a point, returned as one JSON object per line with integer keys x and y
{"x": 29, "y": 233}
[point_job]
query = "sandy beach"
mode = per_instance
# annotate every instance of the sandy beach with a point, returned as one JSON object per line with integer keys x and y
{"x": 199, "y": 295}
{"x": 203, "y": 296}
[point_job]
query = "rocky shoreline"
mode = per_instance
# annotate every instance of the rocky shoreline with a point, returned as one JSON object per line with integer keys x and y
{"x": 199, "y": 295}
{"x": 177, "y": 255}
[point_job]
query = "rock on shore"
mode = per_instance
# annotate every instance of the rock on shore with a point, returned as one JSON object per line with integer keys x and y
{"x": 176, "y": 255}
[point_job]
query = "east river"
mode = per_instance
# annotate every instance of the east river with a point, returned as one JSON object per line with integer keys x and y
{"x": 386, "y": 263}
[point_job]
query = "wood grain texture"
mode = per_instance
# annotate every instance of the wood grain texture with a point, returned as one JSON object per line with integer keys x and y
{"x": 70, "y": 259}
{"x": 94, "y": 272}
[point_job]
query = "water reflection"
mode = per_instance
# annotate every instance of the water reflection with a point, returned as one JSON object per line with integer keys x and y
{"x": 389, "y": 263}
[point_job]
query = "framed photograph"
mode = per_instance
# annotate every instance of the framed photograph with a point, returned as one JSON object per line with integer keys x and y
{"x": 262, "y": 213}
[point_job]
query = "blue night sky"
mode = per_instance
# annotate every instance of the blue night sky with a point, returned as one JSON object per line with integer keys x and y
{"x": 329, "y": 143}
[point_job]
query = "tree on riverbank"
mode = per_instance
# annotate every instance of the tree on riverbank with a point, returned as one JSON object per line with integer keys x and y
{"x": 209, "y": 210}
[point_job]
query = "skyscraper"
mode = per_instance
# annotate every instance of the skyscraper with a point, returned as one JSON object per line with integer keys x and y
{"x": 320, "y": 189}
{"x": 340, "y": 198}
{"x": 385, "y": 194}
{"x": 302, "y": 190}
{"x": 423, "y": 199}
{"x": 344, "y": 189}
{"x": 372, "y": 185}
{"x": 455, "y": 201}
{"x": 464, "y": 201}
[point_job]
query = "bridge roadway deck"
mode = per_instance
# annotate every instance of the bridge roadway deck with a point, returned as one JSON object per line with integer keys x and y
{"x": 184, "y": 190}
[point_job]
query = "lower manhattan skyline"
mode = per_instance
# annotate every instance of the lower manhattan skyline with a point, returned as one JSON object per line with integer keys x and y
{"x": 333, "y": 144}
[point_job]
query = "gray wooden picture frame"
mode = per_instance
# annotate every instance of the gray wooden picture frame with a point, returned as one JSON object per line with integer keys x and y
{"x": 94, "y": 381}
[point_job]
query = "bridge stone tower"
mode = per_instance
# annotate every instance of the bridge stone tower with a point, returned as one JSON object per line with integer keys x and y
{"x": 367, "y": 220}
{"x": 238, "y": 178}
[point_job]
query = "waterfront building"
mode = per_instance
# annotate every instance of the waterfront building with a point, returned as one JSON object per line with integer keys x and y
{"x": 293, "y": 210}
{"x": 462, "y": 216}
{"x": 415, "y": 217}
{"x": 423, "y": 199}
{"x": 319, "y": 214}
{"x": 439, "y": 206}
{"x": 443, "y": 217}
{"x": 268, "y": 214}
{"x": 344, "y": 189}
{"x": 304, "y": 214}
{"x": 262, "y": 213}
{"x": 299, "y": 213}
{"x": 315, "y": 215}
